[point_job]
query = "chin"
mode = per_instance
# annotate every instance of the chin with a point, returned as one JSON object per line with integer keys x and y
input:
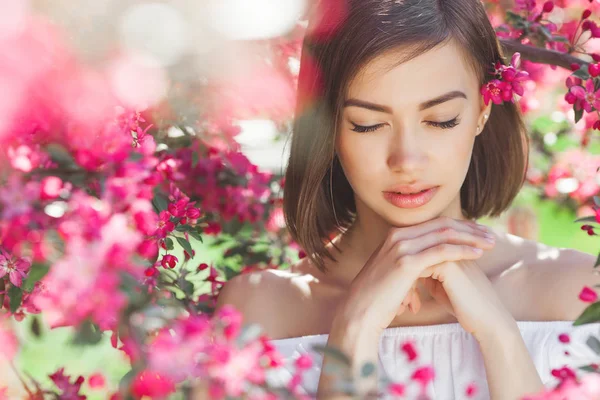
{"x": 415, "y": 216}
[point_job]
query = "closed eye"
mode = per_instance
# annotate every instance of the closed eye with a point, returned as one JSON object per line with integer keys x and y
{"x": 444, "y": 125}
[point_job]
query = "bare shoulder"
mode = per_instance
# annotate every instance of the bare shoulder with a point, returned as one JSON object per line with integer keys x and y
{"x": 267, "y": 298}
{"x": 554, "y": 277}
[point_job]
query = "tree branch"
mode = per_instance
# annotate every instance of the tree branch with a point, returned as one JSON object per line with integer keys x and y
{"x": 539, "y": 55}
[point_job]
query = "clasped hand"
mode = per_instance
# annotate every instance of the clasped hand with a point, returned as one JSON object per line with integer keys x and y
{"x": 443, "y": 252}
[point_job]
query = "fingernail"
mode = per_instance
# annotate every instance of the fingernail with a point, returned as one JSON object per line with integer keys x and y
{"x": 476, "y": 250}
{"x": 490, "y": 239}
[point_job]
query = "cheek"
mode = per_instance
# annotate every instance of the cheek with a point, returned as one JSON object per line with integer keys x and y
{"x": 361, "y": 156}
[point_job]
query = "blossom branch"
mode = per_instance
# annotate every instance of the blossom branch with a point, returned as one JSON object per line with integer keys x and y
{"x": 540, "y": 55}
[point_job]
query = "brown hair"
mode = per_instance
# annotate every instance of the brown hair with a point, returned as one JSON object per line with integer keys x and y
{"x": 318, "y": 200}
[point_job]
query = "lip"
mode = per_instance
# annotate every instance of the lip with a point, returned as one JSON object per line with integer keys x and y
{"x": 409, "y": 189}
{"x": 410, "y": 200}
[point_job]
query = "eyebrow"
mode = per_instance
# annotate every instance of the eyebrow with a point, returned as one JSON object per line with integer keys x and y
{"x": 423, "y": 106}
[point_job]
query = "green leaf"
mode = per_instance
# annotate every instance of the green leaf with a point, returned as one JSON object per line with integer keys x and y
{"x": 186, "y": 245}
{"x": 160, "y": 203}
{"x": 585, "y": 219}
{"x": 196, "y": 236}
{"x": 597, "y": 261}
{"x": 229, "y": 272}
{"x": 180, "y": 294}
{"x": 169, "y": 243}
{"x": 367, "y": 369}
{"x": 36, "y": 328}
{"x": 589, "y": 368}
{"x": 559, "y": 38}
{"x": 581, "y": 73}
{"x": 87, "y": 334}
{"x": 169, "y": 273}
{"x": 60, "y": 155}
{"x": 578, "y": 114}
{"x": 184, "y": 228}
{"x": 590, "y": 314}
{"x": 333, "y": 352}
{"x": 15, "y": 294}
{"x": 594, "y": 344}
{"x": 37, "y": 272}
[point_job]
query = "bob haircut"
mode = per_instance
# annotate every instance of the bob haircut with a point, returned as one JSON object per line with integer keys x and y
{"x": 318, "y": 200}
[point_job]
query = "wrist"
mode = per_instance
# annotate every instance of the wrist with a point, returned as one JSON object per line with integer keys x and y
{"x": 500, "y": 334}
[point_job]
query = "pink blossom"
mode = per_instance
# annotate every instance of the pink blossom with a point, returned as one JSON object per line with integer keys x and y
{"x": 151, "y": 384}
{"x": 96, "y": 381}
{"x": 588, "y": 295}
{"x": 17, "y": 269}
{"x": 69, "y": 391}
{"x": 589, "y": 97}
{"x": 165, "y": 226}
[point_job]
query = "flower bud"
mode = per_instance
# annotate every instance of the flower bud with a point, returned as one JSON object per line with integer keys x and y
{"x": 548, "y": 6}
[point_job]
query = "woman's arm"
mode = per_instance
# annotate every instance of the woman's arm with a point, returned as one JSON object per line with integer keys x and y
{"x": 510, "y": 371}
{"x": 361, "y": 346}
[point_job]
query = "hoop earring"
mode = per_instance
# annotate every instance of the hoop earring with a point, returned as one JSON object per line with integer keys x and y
{"x": 331, "y": 195}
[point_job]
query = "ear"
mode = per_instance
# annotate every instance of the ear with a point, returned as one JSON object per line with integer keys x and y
{"x": 484, "y": 115}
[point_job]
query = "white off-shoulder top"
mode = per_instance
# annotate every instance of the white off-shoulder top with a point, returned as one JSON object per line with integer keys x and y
{"x": 452, "y": 352}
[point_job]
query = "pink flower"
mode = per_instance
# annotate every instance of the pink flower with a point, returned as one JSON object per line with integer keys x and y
{"x": 496, "y": 91}
{"x": 16, "y": 268}
{"x": 165, "y": 226}
{"x": 169, "y": 261}
{"x": 152, "y": 384}
{"x": 96, "y": 381}
{"x": 50, "y": 187}
{"x": 588, "y": 295}
{"x": 69, "y": 390}
{"x": 588, "y": 97}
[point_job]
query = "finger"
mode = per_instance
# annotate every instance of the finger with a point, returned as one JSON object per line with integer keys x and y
{"x": 443, "y": 252}
{"x": 440, "y": 223}
{"x": 450, "y": 236}
{"x": 409, "y": 296}
{"x": 416, "y": 304}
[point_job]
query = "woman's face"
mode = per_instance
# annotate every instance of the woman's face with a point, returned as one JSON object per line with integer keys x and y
{"x": 408, "y": 139}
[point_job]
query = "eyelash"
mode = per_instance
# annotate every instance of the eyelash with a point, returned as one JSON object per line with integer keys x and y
{"x": 444, "y": 125}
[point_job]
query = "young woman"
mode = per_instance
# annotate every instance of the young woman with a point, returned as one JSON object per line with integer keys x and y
{"x": 394, "y": 156}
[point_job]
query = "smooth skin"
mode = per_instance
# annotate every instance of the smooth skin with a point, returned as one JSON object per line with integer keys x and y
{"x": 390, "y": 252}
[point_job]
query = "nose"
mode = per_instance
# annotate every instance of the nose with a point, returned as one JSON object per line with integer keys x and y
{"x": 406, "y": 154}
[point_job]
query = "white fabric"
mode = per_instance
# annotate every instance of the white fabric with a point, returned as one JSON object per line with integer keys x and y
{"x": 453, "y": 353}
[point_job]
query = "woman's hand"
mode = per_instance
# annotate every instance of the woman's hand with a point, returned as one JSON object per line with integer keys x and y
{"x": 455, "y": 284}
{"x": 379, "y": 290}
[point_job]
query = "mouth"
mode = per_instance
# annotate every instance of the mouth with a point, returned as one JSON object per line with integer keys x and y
{"x": 410, "y": 198}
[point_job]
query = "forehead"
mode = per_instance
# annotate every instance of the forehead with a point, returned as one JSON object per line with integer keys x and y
{"x": 428, "y": 75}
